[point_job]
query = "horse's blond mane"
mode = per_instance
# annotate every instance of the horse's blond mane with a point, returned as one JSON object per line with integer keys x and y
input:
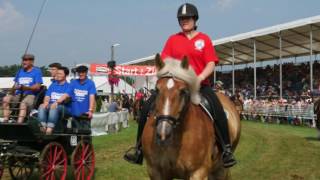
{"x": 172, "y": 67}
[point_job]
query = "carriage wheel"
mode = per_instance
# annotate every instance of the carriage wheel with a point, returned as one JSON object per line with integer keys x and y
{"x": 83, "y": 161}
{"x": 20, "y": 169}
{"x": 53, "y": 162}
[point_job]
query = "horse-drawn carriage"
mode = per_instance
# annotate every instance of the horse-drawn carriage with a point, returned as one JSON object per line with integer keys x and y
{"x": 23, "y": 147}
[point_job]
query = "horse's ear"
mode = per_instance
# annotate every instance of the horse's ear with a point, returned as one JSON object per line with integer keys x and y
{"x": 185, "y": 63}
{"x": 159, "y": 62}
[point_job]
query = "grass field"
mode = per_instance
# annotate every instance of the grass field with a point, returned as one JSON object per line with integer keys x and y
{"x": 266, "y": 151}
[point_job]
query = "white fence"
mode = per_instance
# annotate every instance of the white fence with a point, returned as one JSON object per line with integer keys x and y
{"x": 111, "y": 122}
{"x": 303, "y": 112}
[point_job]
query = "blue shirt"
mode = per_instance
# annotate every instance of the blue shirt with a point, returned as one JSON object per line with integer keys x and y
{"x": 28, "y": 79}
{"x": 113, "y": 107}
{"x": 56, "y": 90}
{"x": 80, "y": 94}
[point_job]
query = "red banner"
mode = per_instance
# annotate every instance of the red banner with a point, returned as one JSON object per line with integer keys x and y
{"x": 125, "y": 70}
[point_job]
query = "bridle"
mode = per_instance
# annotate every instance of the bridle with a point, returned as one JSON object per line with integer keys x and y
{"x": 174, "y": 121}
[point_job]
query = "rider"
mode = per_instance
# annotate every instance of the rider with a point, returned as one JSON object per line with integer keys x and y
{"x": 201, "y": 53}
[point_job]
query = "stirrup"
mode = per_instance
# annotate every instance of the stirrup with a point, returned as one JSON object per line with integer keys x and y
{"x": 228, "y": 159}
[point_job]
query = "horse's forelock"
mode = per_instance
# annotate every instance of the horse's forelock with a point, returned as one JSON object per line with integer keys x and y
{"x": 172, "y": 67}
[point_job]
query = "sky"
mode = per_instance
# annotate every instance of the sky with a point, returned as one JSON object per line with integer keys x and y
{"x": 83, "y": 31}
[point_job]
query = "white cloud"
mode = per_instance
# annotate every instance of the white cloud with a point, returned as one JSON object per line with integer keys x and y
{"x": 10, "y": 18}
{"x": 224, "y": 4}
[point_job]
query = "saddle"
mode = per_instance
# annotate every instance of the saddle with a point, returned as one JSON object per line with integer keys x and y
{"x": 205, "y": 105}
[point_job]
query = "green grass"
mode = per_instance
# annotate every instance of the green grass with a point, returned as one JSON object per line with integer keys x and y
{"x": 266, "y": 151}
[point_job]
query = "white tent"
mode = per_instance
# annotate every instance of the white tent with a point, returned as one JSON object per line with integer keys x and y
{"x": 102, "y": 84}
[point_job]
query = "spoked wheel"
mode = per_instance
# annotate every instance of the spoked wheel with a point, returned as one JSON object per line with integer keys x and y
{"x": 53, "y": 162}
{"x": 83, "y": 161}
{"x": 20, "y": 169}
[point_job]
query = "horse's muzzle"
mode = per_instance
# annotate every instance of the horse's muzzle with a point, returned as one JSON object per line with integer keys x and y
{"x": 164, "y": 132}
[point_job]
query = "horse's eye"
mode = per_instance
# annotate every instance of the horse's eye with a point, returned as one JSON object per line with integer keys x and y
{"x": 184, "y": 92}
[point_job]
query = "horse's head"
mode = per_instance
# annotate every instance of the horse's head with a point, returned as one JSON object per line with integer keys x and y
{"x": 176, "y": 87}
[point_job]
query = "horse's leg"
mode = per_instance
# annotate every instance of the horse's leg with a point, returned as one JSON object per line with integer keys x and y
{"x": 156, "y": 174}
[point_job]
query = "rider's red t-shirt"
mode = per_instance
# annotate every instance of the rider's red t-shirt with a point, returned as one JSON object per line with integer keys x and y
{"x": 199, "y": 50}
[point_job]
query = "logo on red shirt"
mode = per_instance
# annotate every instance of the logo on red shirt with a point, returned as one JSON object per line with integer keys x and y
{"x": 199, "y": 44}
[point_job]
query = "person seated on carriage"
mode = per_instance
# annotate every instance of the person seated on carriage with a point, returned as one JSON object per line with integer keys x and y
{"x": 198, "y": 47}
{"x": 27, "y": 83}
{"x": 53, "y": 69}
{"x": 50, "y": 111}
{"x": 82, "y": 92}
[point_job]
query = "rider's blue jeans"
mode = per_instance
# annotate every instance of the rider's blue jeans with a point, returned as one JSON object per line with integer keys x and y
{"x": 49, "y": 117}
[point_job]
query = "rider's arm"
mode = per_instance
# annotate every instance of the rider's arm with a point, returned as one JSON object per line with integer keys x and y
{"x": 210, "y": 58}
{"x": 207, "y": 71}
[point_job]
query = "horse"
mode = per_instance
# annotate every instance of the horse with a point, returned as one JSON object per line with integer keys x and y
{"x": 317, "y": 112}
{"x": 179, "y": 139}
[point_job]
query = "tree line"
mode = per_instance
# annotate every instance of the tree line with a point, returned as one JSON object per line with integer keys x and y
{"x": 11, "y": 71}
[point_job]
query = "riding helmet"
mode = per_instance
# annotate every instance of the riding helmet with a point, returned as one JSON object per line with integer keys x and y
{"x": 188, "y": 10}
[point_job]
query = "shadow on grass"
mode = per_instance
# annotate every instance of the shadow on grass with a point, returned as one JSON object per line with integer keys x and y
{"x": 317, "y": 139}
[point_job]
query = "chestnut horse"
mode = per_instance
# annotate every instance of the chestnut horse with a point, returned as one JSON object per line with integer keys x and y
{"x": 179, "y": 140}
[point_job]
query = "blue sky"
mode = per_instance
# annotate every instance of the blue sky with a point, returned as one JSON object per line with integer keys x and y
{"x": 82, "y": 31}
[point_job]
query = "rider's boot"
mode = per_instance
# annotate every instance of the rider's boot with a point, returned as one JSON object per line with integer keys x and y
{"x": 222, "y": 132}
{"x": 221, "y": 127}
{"x": 134, "y": 155}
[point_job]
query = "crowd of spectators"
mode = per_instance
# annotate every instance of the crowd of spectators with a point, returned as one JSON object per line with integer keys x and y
{"x": 296, "y": 106}
{"x": 295, "y": 81}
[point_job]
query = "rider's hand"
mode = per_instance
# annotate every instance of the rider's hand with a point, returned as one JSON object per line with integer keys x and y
{"x": 54, "y": 105}
{"x": 200, "y": 78}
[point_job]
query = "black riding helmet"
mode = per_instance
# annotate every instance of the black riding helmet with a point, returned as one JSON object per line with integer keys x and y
{"x": 188, "y": 10}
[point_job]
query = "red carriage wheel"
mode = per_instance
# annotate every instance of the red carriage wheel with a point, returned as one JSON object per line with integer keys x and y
{"x": 53, "y": 162}
{"x": 20, "y": 169}
{"x": 83, "y": 161}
